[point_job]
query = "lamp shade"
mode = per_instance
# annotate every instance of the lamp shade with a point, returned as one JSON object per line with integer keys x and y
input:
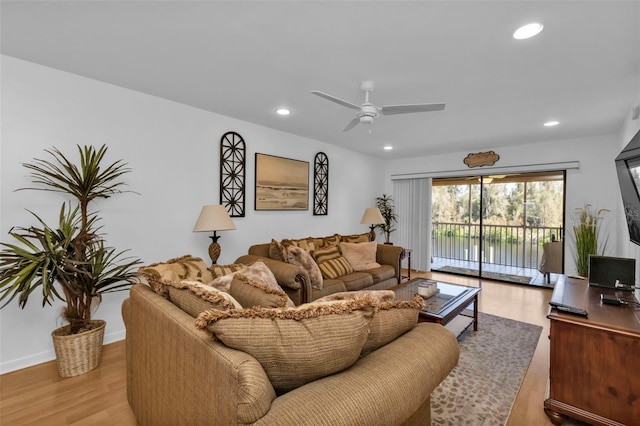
{"x": 372, "y": 216}
{"x": 213, "y": 218}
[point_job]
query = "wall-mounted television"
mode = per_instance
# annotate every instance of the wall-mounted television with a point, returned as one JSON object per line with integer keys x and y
{"x": 628, "y": 168}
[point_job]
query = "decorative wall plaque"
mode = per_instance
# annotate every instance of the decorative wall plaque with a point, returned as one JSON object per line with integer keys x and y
{"x": 480, "y": 159}
{"x": 232, "y": 173}
{"x": 320, "y": 184}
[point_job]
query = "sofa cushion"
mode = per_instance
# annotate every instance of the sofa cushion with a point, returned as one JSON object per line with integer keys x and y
{"x": 361, "y": 256}
{"x": 277, "y": 251}
{"x": 328, "y": 287}
{"x": 357, "y": 280}
{"x": 251, "y": 293}
{"x": 194, "y": 297}
{"x": 356, "y": 238}
{"x": 295, "y": 346}
{"x": 299, "y": 257}
{"x": 381, "y": 273}
{"x": 187, "y": 267}
{"x": 392, "y": 320}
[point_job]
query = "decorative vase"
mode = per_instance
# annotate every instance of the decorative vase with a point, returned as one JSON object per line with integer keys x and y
{"x": 79, "y": 353}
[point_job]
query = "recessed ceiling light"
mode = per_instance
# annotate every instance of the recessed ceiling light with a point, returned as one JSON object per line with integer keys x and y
{"x": 551, "y": 123}
{"x": 527, "y": 31}
{"x": 388, "y": 148}
{"x": 283, "y": 111}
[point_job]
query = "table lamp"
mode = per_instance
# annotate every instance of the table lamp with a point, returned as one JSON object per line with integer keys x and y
{"x": 373, "y": 217}
{"x": 214, "y": 218}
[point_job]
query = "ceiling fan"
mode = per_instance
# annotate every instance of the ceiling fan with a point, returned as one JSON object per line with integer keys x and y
{"x": 368, "y": 111}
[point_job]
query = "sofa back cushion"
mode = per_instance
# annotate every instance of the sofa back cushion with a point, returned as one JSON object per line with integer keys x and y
{"x": 356, "y": 238}
{"x": 295, "y": 346}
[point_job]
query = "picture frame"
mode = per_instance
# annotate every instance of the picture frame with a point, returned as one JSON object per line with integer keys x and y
{"x": 281, "y": 183}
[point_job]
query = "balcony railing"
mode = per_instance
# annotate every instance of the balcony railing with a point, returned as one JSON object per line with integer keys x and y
{"x": 519, "y": 246}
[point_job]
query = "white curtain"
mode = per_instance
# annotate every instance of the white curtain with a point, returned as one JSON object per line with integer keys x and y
{"x": 412, "y": 198}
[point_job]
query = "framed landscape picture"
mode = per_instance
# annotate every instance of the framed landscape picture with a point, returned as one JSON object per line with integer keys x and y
{"x": 281, "y": 183}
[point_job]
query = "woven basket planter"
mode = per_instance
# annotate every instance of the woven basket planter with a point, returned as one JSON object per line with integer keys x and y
{"x": 80, "y": 353}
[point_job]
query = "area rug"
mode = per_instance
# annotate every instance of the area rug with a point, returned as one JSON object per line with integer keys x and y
{"x": 489, "y": 275}
{"x": 481, "y": 389}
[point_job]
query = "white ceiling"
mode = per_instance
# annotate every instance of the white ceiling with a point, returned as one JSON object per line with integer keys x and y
{"x": 245, "y": 59}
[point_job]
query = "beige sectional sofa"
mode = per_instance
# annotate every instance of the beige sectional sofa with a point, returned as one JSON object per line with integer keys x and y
{"x": 295, "y": 279}
{"x": 184, "y": 366}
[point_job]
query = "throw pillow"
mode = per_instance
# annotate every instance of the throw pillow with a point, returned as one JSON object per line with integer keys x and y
{"x": 320, "y": 255}
{"x": 378, "y": 296}
{"x": 257, "y": 271}
{"x": 187, "y": 267}
{"x": 221, "y": 270}
{"x": 361, "y": 256}
{"x": 295, "y": 346}
{"x": 299, "y": 257}
{"x": 334, "y": 268}
{"x": 276, "y": 251}
{"x": 392, "y": 320}
{"x": 250, "y": 293}
{"x": 194, "y": 297}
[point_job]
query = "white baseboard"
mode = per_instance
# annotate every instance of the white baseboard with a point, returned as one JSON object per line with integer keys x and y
{"x": 46, "y": 356}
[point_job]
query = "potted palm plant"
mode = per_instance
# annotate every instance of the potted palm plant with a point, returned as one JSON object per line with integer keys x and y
{"x": 69, "y": 261}
{"x": 587, "y": 230}
{"x": 387, "y": 209}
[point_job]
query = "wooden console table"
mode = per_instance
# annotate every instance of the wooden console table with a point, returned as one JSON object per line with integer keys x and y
{"x": 594, "y": 373}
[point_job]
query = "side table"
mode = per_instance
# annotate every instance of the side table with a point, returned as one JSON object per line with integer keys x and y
{"x": 408, "y": 276}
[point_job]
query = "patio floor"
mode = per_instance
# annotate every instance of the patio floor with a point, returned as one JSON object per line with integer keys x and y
{"x": 510, "y": 274}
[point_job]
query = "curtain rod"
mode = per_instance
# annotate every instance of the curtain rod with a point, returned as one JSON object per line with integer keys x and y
{"x": 542, "y": 167}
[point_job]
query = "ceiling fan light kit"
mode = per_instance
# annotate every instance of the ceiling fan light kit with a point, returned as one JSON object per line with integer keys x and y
{"x": 367, "y": 112}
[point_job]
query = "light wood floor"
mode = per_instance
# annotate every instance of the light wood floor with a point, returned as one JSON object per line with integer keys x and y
{"x": 38, "y": 396}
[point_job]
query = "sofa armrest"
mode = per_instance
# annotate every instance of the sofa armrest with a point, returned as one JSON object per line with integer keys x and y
{"x": 293, "y": 279}
{"x": 387, "y": 254}
{"x": 374, "y": 391}
{"x": 166, "y": 387}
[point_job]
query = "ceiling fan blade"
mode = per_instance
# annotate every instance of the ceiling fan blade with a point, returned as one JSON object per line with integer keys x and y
{"x": 352, "y": 124}
{"x": 336, "y": 100}
{"x": 406, "y": 109}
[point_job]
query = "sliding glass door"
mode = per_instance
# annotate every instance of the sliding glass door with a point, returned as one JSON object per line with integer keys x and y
{"x": 495, "y": 226}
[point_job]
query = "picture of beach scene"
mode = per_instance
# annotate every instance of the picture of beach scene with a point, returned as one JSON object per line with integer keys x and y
{"x": 281, "y": 183}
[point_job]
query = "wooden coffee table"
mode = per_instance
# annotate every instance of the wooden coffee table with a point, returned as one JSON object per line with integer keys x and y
{"x": 451, "y": 301}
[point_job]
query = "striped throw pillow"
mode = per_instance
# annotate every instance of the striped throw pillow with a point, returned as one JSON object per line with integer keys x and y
{"x": 321, "y": 255}
{"x": 334, "y": 268}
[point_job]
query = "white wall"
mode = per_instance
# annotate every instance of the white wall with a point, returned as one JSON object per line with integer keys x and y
{"x": 173, "y": 150}
{"x": 595, "y": 182}
{"x": 627, "y": 132}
